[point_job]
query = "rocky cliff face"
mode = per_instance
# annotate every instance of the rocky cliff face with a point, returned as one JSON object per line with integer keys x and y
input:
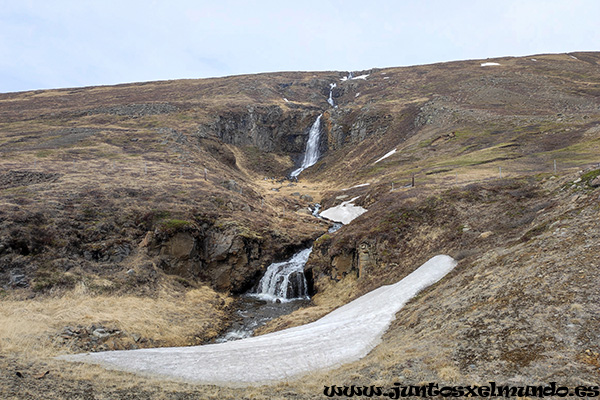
{"x": 269, "y": 128}
{"x": 229, "y": 258}
{"x": 145, "y": 188}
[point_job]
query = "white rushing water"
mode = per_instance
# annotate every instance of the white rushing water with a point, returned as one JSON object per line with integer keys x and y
{"x": 311, "y": 155}
{"x": 285, "y": 281}
{"x": 330, "y": 99}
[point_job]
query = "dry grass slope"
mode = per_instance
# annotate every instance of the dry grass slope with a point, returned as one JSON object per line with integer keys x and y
{"x": 100, "y": 187}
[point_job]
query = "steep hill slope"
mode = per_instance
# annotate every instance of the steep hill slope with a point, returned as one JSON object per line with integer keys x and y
{"x": 159, "y": 195}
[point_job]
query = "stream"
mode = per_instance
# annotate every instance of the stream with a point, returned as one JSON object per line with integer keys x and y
{"x": 283, "y": 287}
{"x": 281, "y": 290}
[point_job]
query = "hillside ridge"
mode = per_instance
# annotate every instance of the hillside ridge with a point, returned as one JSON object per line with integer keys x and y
{"x": 174, "y": 195}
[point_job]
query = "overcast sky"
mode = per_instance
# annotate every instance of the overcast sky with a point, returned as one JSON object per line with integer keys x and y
{"x": 70, "y": 43}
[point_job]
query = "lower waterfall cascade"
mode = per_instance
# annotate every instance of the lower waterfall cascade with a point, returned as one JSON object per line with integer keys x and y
{"x": 285, "y": 281}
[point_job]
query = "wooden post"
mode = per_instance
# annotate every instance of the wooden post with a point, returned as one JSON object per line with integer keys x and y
{"x": 413, "y": 180}
{"x": 392, "y": 186}
{"x": 500, "y": 170}
{"x": 205, "y": 174}
{"x": 145, "y": 168}
{"x": 555, "y": 167}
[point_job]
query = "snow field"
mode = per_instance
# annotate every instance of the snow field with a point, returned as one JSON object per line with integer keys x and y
{"x": 344, "y": 335}
{"x": 344, "y": 212}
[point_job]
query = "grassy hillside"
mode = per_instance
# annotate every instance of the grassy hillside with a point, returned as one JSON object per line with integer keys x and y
{"x": 137, "y": 211}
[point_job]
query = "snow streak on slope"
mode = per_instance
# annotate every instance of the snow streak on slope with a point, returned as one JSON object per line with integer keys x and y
{"x": 356, "y": 186}
{"x": 344, "y": 335}
{"x": 386, "y": 156}
{"x": 350, "y": 77}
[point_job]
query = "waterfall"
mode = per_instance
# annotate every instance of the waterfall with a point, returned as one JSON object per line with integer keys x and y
{"x": 285, "y": 281}
{"x": 311, "y": 155}
{"x": 315, "y": 212}
{"x": 330, "y": 99}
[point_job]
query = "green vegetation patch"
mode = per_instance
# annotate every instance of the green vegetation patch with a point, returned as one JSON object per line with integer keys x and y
{"x": 590, "y": 176}
{"x": 239, "y": 228}
{"x": 44, "y": 153}
{"x": 488, "y": 155}
{"x": 49, "y": 278}
{"x": 173, "y": 225}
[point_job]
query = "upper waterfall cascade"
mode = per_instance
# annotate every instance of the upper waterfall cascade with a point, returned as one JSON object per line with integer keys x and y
{"x": 311, "y": 155}
{"x": 330, "y": 99}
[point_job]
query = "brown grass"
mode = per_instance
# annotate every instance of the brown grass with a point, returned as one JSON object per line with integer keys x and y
{"x": 31, "y": 327}
{"x": 158, "y": 174}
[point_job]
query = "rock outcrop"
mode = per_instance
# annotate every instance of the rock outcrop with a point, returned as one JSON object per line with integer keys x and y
{"x": 229, "y": 259}
{"x": 268, "y": 127}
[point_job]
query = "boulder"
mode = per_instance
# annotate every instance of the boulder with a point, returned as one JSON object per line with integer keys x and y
{"x": 180, "y": 246}
{"x": 342, "y": 265}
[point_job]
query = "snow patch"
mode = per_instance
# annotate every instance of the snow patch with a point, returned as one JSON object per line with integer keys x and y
{"x": 286, "y": 100}
{"x": 386, "y": 77}
{"x": 533, "y": 59}
{"x": 345, "y": 78}
{"x": 357, "y": 94}
{"x": 386, "y": 156}
{"x": 342, "y": 336}
{"x": 344, "y": 212}
{"x": 489, "y": 64}
{"x": 357, "y": 186}
{"x": 573, "y": 57}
